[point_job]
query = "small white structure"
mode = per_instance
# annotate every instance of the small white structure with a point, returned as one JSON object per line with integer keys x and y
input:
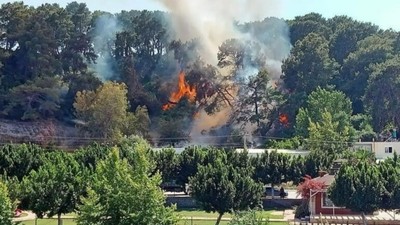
{"x": 382, "y": 150}
{"x": 253, "y": 151}
{"x": 259, "y": 151}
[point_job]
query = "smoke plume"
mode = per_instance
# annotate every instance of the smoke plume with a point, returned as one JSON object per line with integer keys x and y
{"x": 106, "y": 28}
{"x": 211, "y": 22}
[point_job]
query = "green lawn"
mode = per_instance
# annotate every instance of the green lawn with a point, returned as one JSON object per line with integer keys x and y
{"x": 272, "y": 214}
{"x": 49, "y": 222}
{"x": 195, "y": 222}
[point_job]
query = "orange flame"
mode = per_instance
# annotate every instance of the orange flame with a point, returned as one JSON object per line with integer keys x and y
{"x": 183, "y": 90}
{"x": 283, "y": 119}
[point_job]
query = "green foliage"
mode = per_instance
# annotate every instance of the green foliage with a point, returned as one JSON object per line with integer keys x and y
{"x": 302, "y": 210}
{"x": 291, "y": 143}
{"x": 18, "y": 160}
{"x": 54, "y": 189}
{"x": 390, "y": 170}
{"x": 47, "y": 54}
{"x": 220, "y": 187}
{"x": 358, "y": 187}
{"x": 327, "y": 136}
{"x": 301, "y": 26}
{"x": 247, "y": 218}
{"x": 138, "y": 123}
{"x": 189, "y": 161}
{"x": 309, "y": 65}
{"x": 380, "y": 96}
{"x": 37, "y": 99}
{"x": 89, "y": 156}
{"x": 318, "y": 160}
{"x": 6, "y": 212}
{"x": 105, "y": 112}
{"x": 16, "y": 194}
{"x": 323, "y": 101}
{"x": 354, "y": 156}
{"x": 271, "y": 168}
{"x": 257, "y": 102}
{"x": 347, "y": 33}
{"x": 296, "y": 170}
{"x": 167, "y": 163}
{"x": 358, "y": 65}
{"x": 122, "y": 194}
{"x": 78, "y": 82}
{"x": 363, "y": 127}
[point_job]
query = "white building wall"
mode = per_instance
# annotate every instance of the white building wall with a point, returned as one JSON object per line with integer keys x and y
{"x": 382, "y": 150}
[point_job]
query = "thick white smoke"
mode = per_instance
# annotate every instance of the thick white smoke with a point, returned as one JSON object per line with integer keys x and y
{"x": 213, "y": 21}
{"x": 106, "y": 27}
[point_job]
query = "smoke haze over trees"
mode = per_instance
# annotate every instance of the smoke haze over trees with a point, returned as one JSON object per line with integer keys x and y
{"x": 247, "y": 75}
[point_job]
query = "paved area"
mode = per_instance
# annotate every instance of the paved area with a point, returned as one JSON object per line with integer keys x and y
{"x": 292, "y": 194}
{"x": 288, "y": 214}
{"x": 30, "y": 216}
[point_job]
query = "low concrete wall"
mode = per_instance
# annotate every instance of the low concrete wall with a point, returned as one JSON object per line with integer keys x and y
{"x": 182, "y": 202}
{"x": 281, "y": 203}
{"x": 185, "y": 202}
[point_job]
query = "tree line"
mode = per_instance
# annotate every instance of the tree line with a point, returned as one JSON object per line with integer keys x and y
{"x": 58, "y": 62}
{"x": 362, "y": 180}
{"x": 104, "y": 180}
{"x": 52, "y": 183}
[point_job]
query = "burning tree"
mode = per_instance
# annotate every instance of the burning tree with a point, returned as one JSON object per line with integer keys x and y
{"x": 183, "y": 90}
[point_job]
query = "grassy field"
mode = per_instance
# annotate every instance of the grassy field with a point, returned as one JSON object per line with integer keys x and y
{"x": 188, "y": 222}
{"x": 272, "y": 214}
{"x": 49, "y": 222}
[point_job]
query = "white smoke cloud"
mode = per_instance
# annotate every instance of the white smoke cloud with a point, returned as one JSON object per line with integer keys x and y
{"x": 106, "y": 28}
{"x": 212, "y": 21}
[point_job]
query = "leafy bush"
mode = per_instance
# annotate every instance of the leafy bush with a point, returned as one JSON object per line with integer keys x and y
{"x": 292, "y": 143}
{"x": 302, "y": 210}
{"x": 247, "y": 218}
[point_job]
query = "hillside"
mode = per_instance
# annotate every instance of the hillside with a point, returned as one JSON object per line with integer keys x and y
{"x": 141, "y": 73}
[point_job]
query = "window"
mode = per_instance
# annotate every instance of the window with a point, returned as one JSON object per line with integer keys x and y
{"x": 326, "y": 202}
{"x": 388, "y": 150}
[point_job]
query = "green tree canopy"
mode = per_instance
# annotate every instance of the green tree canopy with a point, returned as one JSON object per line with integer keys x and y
{"x": 381, "y": 95}
{"x": 258, "y": 102}
{"x": 220, "y": 187}
{"x": 55, "y": 188}
{"x": 328, "y": 137}
{"x": 358, "y": 187}
{"x": 37, "y": 99}
{"x": 6, "y": 210}
{"x": 122, "y": 194}
{"x": 323, "y": 101}
{"x": 18, "y": 160}
{"x": 105, "y": 112}
{"x": 357, "y": 67}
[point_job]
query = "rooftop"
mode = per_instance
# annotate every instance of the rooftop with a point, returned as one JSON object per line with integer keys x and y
{"x": 326, "y": 179}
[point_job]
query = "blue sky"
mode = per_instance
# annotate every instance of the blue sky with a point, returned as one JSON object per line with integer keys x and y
{"x": 385, "y": 13}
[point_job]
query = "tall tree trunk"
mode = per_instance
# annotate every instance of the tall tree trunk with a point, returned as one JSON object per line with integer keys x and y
{"x": 59, "y": 220}
{"x": 256, "y": 108}
{"x": 219, "y": 219}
